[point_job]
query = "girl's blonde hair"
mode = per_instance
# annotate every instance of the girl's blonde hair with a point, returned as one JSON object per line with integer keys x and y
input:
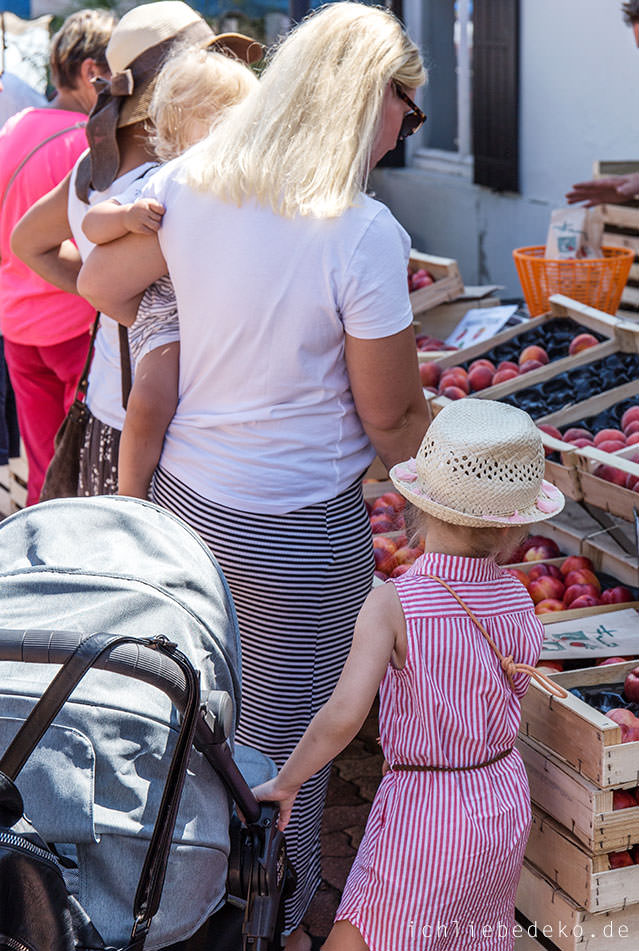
{"x": 193, "y": 90}
{"x": 302, "y": 141}
{"x": 490, "y": 542}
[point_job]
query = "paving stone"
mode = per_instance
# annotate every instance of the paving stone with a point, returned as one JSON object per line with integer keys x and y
{"x": 335, "y": 870}
{"x": 337, "y": 844}
{"x": 341, "y": 792}
{"x": 354, "y": 770}
{"x": 338, "y": 818}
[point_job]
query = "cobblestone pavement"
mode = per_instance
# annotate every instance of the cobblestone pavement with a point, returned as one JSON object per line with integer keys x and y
{"x": 354, "y": 779}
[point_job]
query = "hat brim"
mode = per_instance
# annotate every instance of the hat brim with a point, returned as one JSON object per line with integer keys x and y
{"x": 549, "y": 502}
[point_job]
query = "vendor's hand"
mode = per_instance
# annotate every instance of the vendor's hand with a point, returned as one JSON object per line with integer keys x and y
{"x": 273, "y": 791}
{"x": 144, "y": 216}
{"x": 613, "y": 190}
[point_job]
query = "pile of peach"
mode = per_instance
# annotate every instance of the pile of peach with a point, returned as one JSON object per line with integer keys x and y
{"x": 386, "y": 513}
{"x": 608, "y": 440}
{"x": 456, "y": 382}
{"x": 568, "y": 586}
{"x": 393, "y": 556}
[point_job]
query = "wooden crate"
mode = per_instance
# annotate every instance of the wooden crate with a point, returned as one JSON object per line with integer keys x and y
{"x": 614, "y": 554}
{"x": 571, "y": 729}
{"x": 621, "y": 229}
{"x": 586, "y": 878}
{"x": 577, "y": 804}
{"x": 620, "y": 337}
{"x": 447, "y": 284}
{"x": 568, "y": 926}
{"x": 582, "y": 462}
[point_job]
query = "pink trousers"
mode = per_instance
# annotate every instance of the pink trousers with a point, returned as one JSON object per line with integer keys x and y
{"x": 44, "y": 380}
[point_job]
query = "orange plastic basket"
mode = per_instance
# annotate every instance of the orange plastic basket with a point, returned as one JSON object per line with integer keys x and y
{"x": 598, "y": 282}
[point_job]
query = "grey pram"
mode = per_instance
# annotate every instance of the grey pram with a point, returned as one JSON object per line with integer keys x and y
{"x": 93, "y": 785}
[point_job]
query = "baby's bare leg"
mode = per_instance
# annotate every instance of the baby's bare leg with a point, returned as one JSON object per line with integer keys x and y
{"x": 150, "y": 409}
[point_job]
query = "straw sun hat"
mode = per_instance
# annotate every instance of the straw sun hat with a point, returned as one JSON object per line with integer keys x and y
{"x": 481, "y": 463}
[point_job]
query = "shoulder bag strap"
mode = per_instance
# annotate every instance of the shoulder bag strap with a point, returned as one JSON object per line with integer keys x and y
{"x": 49, "y": 138}
{"x": 125, "y": 364}
{"x": 149, "y": 891}
{"x": 83, "y": 382}
{"x": 508, "y": 665}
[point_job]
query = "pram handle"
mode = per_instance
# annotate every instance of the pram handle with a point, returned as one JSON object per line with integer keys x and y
{"x": 151, "y": 667}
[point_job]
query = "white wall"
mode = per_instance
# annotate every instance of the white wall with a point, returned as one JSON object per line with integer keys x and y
{"x": 579, "y": 102}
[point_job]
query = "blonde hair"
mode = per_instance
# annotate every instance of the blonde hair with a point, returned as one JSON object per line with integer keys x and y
{"x": 302, "y": 141}
{"x": 490, "y": 542}
{"x": 193, "y": 90}
{"x": 83, "y": 35}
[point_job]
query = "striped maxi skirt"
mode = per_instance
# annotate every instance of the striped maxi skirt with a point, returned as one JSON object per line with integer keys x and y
{"x": 298, "y": 582}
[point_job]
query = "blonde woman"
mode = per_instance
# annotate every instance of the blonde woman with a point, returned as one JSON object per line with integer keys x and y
{"x": 297, "y": 362}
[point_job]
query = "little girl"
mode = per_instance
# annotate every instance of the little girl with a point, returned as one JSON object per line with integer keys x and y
{"x": 450, "y": 644}
{"x": 192, "y": 91}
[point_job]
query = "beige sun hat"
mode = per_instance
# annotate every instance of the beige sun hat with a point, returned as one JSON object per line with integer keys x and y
{"x": 481, "y": 463}
{"x": 139, "y": 46}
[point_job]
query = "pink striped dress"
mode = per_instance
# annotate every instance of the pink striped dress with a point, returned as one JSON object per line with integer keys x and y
{"x": 438, "y": 866}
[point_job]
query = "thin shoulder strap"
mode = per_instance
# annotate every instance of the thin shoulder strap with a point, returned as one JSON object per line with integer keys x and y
{"x": 508, "y": 665}
{"x": 49, "y": 138}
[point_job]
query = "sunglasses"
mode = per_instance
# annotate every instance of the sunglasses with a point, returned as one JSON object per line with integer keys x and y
{"x": 413, "y": 120}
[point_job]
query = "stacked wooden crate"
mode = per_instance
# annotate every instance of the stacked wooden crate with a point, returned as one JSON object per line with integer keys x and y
{"x": 577, "y": 766}
{"x": 621, "y": 229}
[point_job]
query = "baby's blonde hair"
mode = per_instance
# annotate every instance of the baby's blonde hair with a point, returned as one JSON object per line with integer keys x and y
{"x": 302, "y": 143}
{"x": 193, "y": 90}
{"x": 490, "y": 542}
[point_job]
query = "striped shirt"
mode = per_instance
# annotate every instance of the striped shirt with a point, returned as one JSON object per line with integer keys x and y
{"x": 439, "y": 863}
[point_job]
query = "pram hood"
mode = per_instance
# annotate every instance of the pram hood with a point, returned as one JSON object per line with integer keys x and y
{"x": 125, "y": 566}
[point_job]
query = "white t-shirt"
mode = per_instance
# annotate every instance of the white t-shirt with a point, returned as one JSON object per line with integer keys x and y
{"x": 266, "y": 420}
{"x": 104, "y": 395}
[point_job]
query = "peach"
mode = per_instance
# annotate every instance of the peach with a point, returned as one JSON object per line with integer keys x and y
{"x": 384, "y": 543}
{"x": 429, "y": 373}
{"x": 519, "y": 574}
{"x": 622, "y": 799}
{"x": 550, "y": 430}
{"x": 584, "y": 601}
{"x": 508, "y": 365}
{"x": 405, "y": 555}
{"x": 580, "y": 443}
{"x": 393, "y": 499}
{"x": 605, "y": 435}
{"x": 583, "y": 576}
{"x": 581, "y": 342}
{"x": 537, "y": 547}
{"x": 548, "y": 605}
{"x": 611, "y": 445}
{"x": 556, "y": 666}
{"x": 529, "y": 365}
{"x": 381, "y": 523}
{"x": 482, "y": 362}
{"x": 533, "y": 353}
{"x": 575, "y": 591}
{"x": 574, "y": 563}
{"x": 480, "y": 377}
{"x": 618, "y": 595}
{"x": 554, "y": 572}
{"x": 620, "y": 859}
{"x": 632, "y": 427}
{"x": 631, "y": 685}
{"x": 506, "y": 374}
{"x": 575, "y": 432}
{"x": 448, "y": 378}
{"x": 630, "y": 416}
{"x": 537, "y": 571}
{"x": 453, "y": 393}
{"x": 610, "y": 660}
{"x": 632, "y": 439}
{"x": 628, "y": 723}
{"x": 610, "y": 474}
{"x": 632, "y": 482}
{"x": 546, "y": 587}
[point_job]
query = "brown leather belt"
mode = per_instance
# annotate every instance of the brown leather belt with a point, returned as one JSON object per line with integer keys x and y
{"x": 413, "y": 768}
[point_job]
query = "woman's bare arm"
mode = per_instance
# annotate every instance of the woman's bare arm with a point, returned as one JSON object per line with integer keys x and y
{"x": 388, "y": 394}
{"x": 42, "y": 239}
{"x": 115, "y": 275}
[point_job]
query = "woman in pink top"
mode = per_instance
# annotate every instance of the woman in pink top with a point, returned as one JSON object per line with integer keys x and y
{"x": 46, "y": 331}
{"x": 450, "y": 644}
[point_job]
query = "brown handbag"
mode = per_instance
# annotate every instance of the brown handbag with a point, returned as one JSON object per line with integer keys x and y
{"x": 61, "y": 478}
